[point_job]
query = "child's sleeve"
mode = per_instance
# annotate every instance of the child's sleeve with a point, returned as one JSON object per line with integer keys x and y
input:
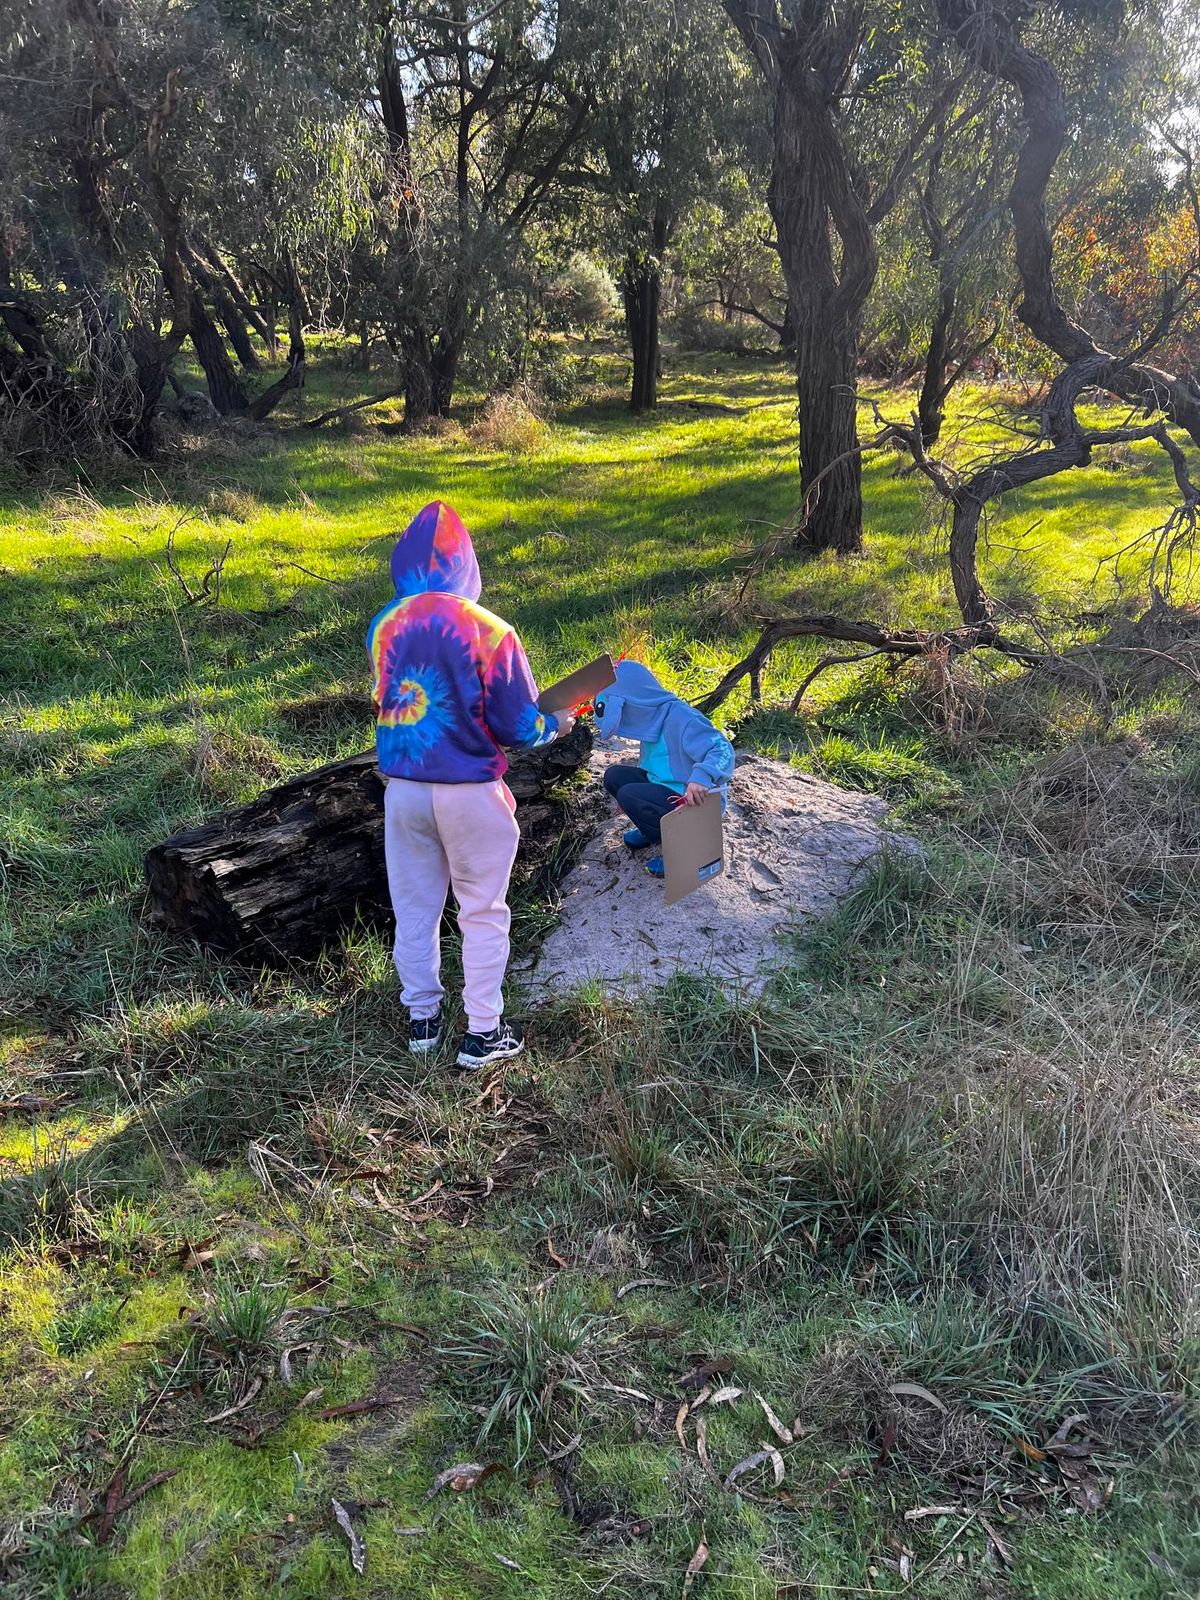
{"x": 510, "y": 699}
{"x": 711, "y": 755}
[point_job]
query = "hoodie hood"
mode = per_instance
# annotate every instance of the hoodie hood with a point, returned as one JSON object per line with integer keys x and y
{"x": 434, "y": 555}
{"x": 636, "y": 705}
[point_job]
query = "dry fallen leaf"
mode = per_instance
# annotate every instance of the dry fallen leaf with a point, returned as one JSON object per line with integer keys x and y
{"x": 358, "y": 1407}
{"x": 919, "y": 1513}
{"x": 699, "y": 1376}
{"x": 917, "y": 1391}
{"x": 642, "y": 1283}
{"x": 767, "y": 1453}
{"x": 620, "y": 1388}
{"x": 784, "y": 1435}
{"x": 193, "y": 1257}
{"x": 699, "y": 1557}
{"x": 1064, "y": 1429}
{"x": 358, "y": 1550}
{"x": 1030, "y": 1450}
{"x": 462, "y": 1476}
{"x": 571, "y": 1444}
{"x": 680, "y": 1418}
{"x": 725, "y": 1396}
{"x": 996, "y": 1543}
{"x": 113, "y": 1496}
{"x": 1082, "y": 1483}
{"x": 241, "y": 1405}
{"x": 702, "y": 1449}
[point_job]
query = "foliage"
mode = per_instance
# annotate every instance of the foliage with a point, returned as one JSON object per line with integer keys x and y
{"x": 528, "y": 1356}
{"x": 582, "y": 298}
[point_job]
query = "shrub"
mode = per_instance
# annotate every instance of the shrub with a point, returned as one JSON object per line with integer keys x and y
{"x": 583, "y": 297}
{"x": 509, "y": 422}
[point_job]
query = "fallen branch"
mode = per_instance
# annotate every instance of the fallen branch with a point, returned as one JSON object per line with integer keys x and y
{"x": 901, "y": 642}
{"x": 339, "y": 412}
{"x": 210, "y": 584}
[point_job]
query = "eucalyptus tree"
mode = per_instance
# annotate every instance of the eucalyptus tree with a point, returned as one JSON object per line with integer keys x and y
{"x": 477, "y": 113}
{"x": 667, "y": 120}
{"x": 852, "y": 111}
{"x": 133, "y": 136}
{"x": 1002, "y": 44}
{"x": 967, "y": 271}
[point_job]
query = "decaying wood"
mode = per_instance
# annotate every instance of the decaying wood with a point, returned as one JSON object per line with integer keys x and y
{"x": 277, "y": 879}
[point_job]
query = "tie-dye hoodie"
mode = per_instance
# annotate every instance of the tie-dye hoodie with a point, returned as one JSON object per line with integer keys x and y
{"x": 450, "y": 679}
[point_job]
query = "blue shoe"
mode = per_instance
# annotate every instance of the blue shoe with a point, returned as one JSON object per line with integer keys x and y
{"x": 635, "y": 839}
{"x": 655, "y": 867}
{"x": 426, "y": 1034}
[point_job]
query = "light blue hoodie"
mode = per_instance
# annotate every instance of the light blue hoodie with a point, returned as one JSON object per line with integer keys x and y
{"x": 638, "y": 707}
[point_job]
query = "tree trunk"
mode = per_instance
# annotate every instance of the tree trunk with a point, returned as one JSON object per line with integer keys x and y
{"x": 239, "y": 335}
{"x": 931, "y": 405}
{"x": 430, "y": 371}
{"x": 236, "y": 292}
{"x": 830, "y": 463}
{"x": 811, "y": 188}
{"x": 281, "y": 877}
{"x": 262, "y": 405}
{"x": 787, "y": 333}
{"x": 224, "y": 385}
{"x": 641, "y": 284}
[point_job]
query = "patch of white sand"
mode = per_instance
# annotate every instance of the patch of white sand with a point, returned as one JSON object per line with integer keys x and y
{"x": 793, "y": 846}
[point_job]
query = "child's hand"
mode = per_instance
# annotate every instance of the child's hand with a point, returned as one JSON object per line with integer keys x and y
{"x": 566, "y": 721}
{"x": 695, "y": 794}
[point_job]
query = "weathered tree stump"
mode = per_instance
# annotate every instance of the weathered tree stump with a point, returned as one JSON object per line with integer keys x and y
{"x": 277, "y": 879}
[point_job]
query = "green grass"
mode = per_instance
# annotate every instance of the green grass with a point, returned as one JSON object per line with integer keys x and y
{"x": 952, "y": 1144}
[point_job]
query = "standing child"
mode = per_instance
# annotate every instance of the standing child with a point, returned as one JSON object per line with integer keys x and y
{"x": 683, "y": 758}
{"x": 452, "y": 689}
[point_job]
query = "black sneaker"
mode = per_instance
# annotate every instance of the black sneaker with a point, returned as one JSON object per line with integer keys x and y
{"x": 425, "y": 1035}
{"x": 481, "y": 1049}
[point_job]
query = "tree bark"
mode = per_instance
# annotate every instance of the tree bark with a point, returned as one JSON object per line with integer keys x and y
{"x": 830, "y": 460}
{"x": 236, "y": 292}
{"x": 641, "y": 285}
{"x": 262, "y": 405}
{"x": 281, "y": 877}
{"x": 812, "y": 196}
{"x": 931, "y": 404}
{"x": 826, "y": 306}
{"x": 787, "y": 333}
{"x": 224, "y": 385}
{"x": 238, "y": 334}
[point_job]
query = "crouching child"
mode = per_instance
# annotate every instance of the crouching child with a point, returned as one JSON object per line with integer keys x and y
{"x": 683, "y": 758}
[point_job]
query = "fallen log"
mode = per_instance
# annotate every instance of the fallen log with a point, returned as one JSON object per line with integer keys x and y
{"x": 279, "y": 878}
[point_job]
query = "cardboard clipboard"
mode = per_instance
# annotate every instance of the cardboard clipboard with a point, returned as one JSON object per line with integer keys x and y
{"x": 692, "y": 839}
{"x": 584, "y": 684}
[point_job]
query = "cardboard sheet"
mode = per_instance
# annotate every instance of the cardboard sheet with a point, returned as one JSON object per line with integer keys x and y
{"x": 580, "y": 686}
{"x": 692, "y": 839}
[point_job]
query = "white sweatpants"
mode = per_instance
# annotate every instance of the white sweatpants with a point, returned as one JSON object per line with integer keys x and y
{"x": 438, "y": 835}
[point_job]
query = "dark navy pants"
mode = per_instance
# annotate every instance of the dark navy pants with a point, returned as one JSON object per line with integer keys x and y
{"x": 643, "y": 802}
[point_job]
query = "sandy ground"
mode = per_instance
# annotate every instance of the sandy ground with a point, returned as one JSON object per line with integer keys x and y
{"x": 793, "y": 846}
